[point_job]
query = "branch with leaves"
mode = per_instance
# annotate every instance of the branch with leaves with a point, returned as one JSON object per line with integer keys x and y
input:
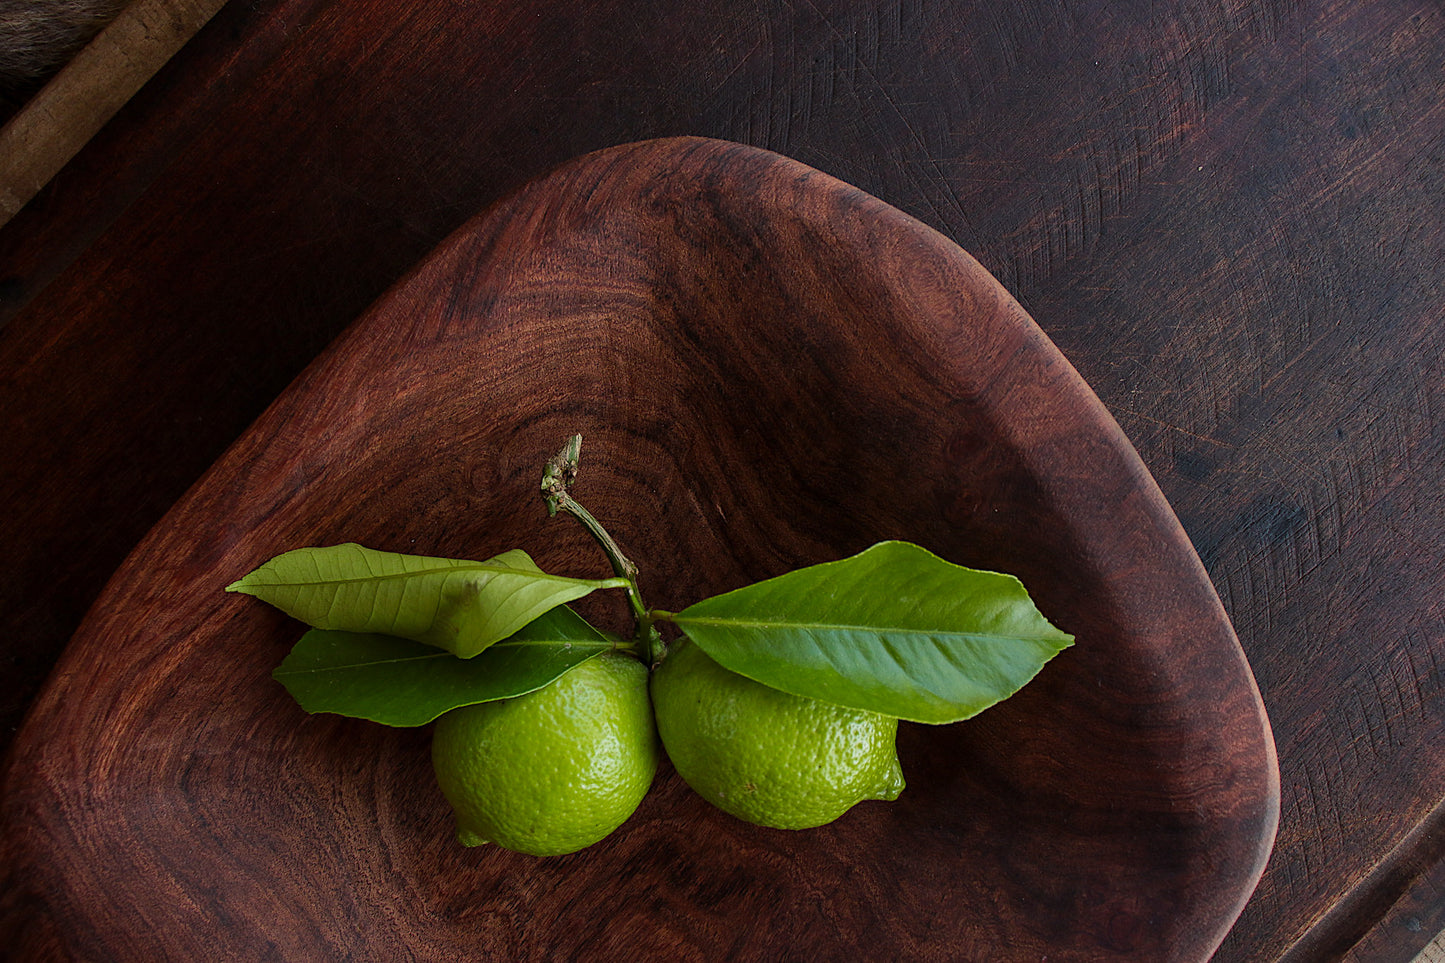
{"x": 402, "y": 639}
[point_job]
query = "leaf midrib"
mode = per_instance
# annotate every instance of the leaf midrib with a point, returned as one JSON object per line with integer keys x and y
{"x": 447, "y": 569}
{"x": 840, "y": 626}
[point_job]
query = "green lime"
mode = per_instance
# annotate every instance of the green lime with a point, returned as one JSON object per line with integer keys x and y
{"x": 763, "y": 755}
{"x": 555, "y": 770}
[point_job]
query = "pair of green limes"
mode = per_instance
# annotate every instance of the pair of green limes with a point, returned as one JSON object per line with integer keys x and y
{"x": 556, "y": 770}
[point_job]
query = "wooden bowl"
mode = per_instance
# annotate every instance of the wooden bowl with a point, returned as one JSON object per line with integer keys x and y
{"x": 770, "y": 369}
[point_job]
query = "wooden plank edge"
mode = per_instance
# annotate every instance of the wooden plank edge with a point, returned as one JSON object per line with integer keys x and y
{"x": 68, "y": 111}
{"x": 1393, "y": 912}
{"x": 1434, "y": 953}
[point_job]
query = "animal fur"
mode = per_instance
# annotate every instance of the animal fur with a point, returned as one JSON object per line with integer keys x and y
{"x": 38, "y": 37}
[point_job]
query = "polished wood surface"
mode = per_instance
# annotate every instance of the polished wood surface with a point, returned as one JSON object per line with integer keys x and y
{"x": 1228, "y": 217}
{"x": 772, "y": 369}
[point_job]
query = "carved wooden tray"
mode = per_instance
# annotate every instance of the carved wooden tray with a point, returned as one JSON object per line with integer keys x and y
{"x": 771, "y": 369}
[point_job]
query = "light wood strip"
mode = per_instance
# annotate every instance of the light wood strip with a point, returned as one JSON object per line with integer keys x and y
{"x": 1434, "y": 953}
{"x": 69, "y": 110}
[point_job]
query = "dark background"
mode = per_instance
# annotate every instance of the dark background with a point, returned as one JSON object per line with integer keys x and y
{"x": 1227, "y": 215}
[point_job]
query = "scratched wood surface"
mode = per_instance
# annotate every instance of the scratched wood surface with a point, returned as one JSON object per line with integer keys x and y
{"x": 1228, "y": 216}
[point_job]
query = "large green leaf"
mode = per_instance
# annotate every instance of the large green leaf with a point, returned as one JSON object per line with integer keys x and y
{"x": 398, "y": 682}
{"x": 456, "y": 605}
{"x": 894, "y": 629}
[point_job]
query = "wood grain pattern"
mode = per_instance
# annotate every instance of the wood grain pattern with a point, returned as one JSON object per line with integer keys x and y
{"x": 772, "y": 369}
{"x": 1228, "y": 215}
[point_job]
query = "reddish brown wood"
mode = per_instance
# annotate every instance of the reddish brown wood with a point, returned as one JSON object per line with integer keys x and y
{"x": 772, "y": 369}
{"x": 1228, "y": 215}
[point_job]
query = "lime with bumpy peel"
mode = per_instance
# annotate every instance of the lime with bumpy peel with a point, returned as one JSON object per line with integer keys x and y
{"x": 764, "y": 755}
{"x": 555, "y": 770}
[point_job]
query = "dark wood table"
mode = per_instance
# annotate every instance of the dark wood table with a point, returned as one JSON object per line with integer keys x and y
{"x": 1230, "y": 217}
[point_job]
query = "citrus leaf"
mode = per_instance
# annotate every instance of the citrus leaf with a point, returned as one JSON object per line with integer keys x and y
{"x": 398, "y": 682}
{"x": 894, "y": 630}
{"x": 453, "y": 604}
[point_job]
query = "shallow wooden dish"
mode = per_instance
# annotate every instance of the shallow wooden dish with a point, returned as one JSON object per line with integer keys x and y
{"x": 770, "y": 369}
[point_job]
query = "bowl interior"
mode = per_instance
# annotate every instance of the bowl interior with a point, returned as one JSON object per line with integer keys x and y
{"x": 769, "y": 369}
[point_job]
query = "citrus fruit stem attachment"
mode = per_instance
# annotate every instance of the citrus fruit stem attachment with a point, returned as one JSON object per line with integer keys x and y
{"x": 557, "y": 481}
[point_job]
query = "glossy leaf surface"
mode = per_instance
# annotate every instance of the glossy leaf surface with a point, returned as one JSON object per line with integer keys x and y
{"x": 453, "y": 604}
{"x": 895, "y": 630}
{"x": 398, "y": 682}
